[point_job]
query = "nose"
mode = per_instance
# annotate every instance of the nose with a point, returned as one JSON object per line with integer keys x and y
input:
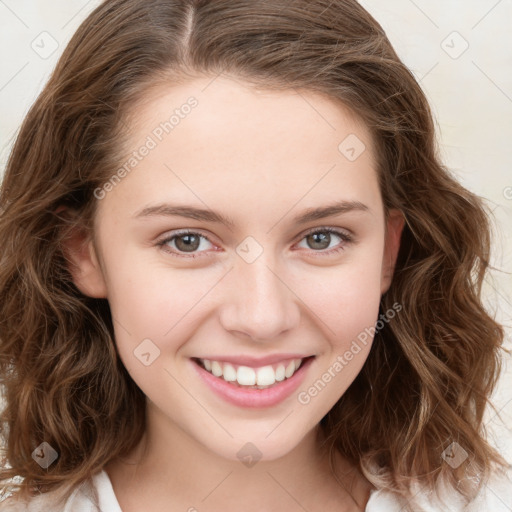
{"x": 259, "y": 303}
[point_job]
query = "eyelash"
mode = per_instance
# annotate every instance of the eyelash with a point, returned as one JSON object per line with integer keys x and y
{"x": 345, "y": 237}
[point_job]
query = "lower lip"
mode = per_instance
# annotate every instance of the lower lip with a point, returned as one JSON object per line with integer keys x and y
{"x": 251, "y": 397}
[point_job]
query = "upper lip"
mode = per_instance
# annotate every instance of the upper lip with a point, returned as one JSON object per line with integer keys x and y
{"x": 255, "y": 362}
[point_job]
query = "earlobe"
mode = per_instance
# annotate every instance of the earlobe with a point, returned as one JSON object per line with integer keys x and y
{"x": 395, "y": 225}
{"x": 83, "y": 265}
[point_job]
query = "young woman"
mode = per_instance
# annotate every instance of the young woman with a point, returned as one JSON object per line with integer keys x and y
{"x": 235, "y": 274}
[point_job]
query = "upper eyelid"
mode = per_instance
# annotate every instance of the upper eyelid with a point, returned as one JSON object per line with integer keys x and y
{"x": 168, "y": 237}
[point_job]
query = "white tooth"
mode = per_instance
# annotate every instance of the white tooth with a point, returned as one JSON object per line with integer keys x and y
{"x": 216, "y": 368}
{"x": 297, "y": 362}
{"x": 207, "y": 364}
{"x": 280, "y": 372}
{"x": 289, "y": 369}
{"x": 246, "y": 376}
{"x": 229, "y": 373}
{"x": 265, "y": 376}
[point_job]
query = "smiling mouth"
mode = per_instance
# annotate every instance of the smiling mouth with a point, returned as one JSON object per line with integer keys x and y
{"x": 252, "y": 378}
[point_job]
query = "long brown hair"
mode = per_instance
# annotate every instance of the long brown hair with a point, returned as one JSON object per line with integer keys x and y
{"x": 430, "y": 371}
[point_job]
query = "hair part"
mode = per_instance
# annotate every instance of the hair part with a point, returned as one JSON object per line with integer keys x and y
{"x": 61, "y": 375}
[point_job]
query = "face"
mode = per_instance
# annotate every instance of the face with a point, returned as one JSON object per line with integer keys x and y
{"x": 242, "y": 253}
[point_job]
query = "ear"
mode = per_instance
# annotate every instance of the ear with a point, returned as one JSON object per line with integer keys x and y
{"x": 83, "y": 263}
{"x": 394, "y": 226}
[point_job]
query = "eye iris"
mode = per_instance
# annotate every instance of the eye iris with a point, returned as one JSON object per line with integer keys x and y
{"x": 321, "y": 237}
{"x": 190, "y": 242}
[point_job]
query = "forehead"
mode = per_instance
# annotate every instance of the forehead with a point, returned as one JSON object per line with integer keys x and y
{"x": 224, "y": 141}
{"x": 231, "y": 106}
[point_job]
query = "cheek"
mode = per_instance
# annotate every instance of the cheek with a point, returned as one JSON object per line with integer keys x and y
{"x": 150, "y": 300}
{"x": 154, "y": 311}
{"x": 346, "y": 302}
{"x": 147, "y": 296}
{"x": 344, "y": 298}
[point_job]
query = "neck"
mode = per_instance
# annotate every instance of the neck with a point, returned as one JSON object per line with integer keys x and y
{"x": 168, "y": 467}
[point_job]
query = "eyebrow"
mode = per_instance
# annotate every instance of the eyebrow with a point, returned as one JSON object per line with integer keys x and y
{"x": 191, "y": 212}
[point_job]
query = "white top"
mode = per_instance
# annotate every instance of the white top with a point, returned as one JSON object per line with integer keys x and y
{"x": 100, "y": 497}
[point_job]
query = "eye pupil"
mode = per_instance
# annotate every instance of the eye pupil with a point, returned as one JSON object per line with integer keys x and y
{"x": 187, "y": 243}
{"x": 321, "y": 237}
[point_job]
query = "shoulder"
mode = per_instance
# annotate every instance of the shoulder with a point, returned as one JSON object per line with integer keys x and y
{"x": 495, "y": 495}
{"x": 82, "y": 499}
{"x": 94, "y": 495}
{"x": 35, "y": 504}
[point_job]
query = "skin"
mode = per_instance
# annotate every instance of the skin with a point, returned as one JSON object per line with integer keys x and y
{"x": 260, "y": 158}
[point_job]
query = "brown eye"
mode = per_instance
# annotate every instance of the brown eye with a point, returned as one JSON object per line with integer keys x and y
{"x": 187, "y": 243}
{"x": 319, "y": 240}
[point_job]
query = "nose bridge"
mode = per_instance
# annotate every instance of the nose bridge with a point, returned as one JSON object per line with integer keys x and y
{"x": 261, "y": 305}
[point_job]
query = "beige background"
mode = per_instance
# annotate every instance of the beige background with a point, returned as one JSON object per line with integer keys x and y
{"x": 460, "y": 51}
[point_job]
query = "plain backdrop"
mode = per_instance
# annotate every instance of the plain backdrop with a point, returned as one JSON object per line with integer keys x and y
{"x": 459, "y": 50}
